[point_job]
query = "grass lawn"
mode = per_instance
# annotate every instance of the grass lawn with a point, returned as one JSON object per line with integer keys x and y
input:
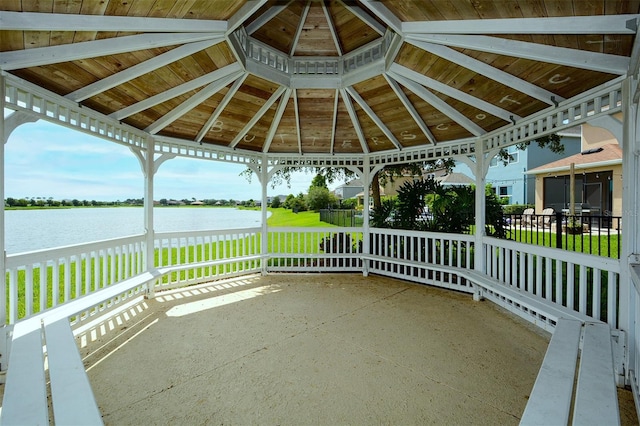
{"x": 284, "y": 217}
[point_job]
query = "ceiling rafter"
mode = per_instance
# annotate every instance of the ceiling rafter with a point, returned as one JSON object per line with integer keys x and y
{"x": 176, "y": 91}
{"x": 334, "y": 121}
{"x": 354, "y": 120}
{"x": 275, "y": 123}
{"x": 268, "y": 15}
{"x": 332, "y": 28}
{"x": 396, "y": 69}
{"x": 489, "y": 71}
{"x": 34, "y": 21}
{"x": 601, "y": 24}
{"x": 374, "y": 117}
{"x": 247, "y": 9}
{"x": 439, "y": 104}
{"x": 90, "y": 49}
{"x": 141, "y": 69}
{"x": 257, "y": 116}
{"x": 191, "y": 103}
{"x": 303, "y": 18}
{"x": 601, "y": 62}
{"x": 364, "y": 17}
{"x": 221, "y": 106}
{"x": 385, "y": 15}
{"x": 410, "y": 109}
{"x": 297, "y": 115}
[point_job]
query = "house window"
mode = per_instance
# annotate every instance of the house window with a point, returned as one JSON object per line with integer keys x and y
{"x": 505, "y": 192}
{"x": 514, "y": 157}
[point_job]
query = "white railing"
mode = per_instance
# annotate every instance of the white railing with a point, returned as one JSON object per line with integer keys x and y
{"x": 314, "y": 249}
{"x": 634, "y": 334}
{"x": 579, "y": 282}
{"x": 44, "y": 279}
{"x": 227, "y": 247}
{"x": 424, "y": 257}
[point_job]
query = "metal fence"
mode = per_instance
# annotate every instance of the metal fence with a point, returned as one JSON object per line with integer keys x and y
{"x": 347, "y": 218}
{"x": 598, "y": 235}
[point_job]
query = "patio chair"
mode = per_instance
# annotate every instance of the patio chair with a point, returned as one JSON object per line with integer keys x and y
{"x": 527, "y": 217}
{"x": 544, "y": 220}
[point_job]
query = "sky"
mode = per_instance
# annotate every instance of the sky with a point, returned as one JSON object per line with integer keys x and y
{"x": 47, "y": 160}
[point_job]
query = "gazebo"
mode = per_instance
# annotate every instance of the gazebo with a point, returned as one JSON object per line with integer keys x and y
{"x": 355, "y": 84}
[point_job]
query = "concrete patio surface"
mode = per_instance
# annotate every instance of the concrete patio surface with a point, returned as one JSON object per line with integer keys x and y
{"x": 315, "y": 349}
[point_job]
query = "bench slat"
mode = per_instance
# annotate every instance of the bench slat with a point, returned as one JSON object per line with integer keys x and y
{"x": 596, "y": 394}
{"x": 73, "y": 400}
{"x": 551, "y": 397}
{"x": 25, "y": 393}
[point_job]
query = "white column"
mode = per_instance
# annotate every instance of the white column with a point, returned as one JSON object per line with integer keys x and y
{"x": 3, "y": 254}
{"x": 366, "y": 235}
{"x": 264, "y": 182}
{"x": 480, "y": 175}
{"x": 630, "y": 251}
{"x": 148, "y": 170}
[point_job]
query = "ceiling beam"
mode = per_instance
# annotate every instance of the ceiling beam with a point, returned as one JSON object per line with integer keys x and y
{"x": 384, "y": 14}
{"x": 374, "y": 117}
{"x": 257, "y": 116}
{"x": 439, "y": 104}
{"x": 33, "y": 21}
{"x": 191, "y": 103}
{"x": 601, "y": 24}
{"x": 364, "y": 17}
{"x": 489, "y": 71}
{"x": 410, "y": 108}
{"x": 221, "y": 106}
{"x": 296, "y": 111}
{"x": 282, "y": 106}
{"x": 141, "y": 69}
{"x": 247, "y": 9}
{"x": 90, "y": 49}
{"x": 268, "y": 15}
{"x": 296, "y": 37}
{"x": 332, "y": 28}
{"x": 354, "y": 120}
{"x": 601, "y": 62}
{"x": 396, "y": 69}
{"x": 334, "y": 121}
{"x": 176, "y": 91}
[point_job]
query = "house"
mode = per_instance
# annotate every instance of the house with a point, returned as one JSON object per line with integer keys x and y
{"x": 511, "y": 180}
{"x": 349, "y": 189}
{"x": 597, "y": 173}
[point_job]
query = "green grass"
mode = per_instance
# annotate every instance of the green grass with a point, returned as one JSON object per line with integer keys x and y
{"x": 283, "y": 217}
{"x": 603, "y": 245}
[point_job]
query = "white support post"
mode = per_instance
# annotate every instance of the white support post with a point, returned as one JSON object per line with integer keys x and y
{"x": 264, "y": 182}
{"x": 3, "y": 282}
{"x": 149, "y": 165}
{"x": 366, "y": 177}
{"x": 480, "y": 175}
{"x": 630, "y": 252}
{"x": 149, "y": 172}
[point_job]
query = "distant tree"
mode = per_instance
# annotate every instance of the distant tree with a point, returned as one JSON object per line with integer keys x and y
{"x": 275, "y": 203}
{"x": 319, "y": 197}
{"x": 319, "y": 181}
{"x": 11, "y": 202}
{"x": 288, "y": 202}
{"x": 349, "y": 203}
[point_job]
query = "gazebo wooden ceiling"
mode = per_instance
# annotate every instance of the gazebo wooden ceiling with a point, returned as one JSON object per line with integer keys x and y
{"x": 318, "y": 76}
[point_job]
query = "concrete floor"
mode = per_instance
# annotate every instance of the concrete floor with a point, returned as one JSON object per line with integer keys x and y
{"x": 314, "y": 349}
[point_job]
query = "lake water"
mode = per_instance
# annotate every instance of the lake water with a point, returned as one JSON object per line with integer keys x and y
{"x": 28, "y": 230}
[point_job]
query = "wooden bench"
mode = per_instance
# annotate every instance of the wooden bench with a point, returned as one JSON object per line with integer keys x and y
{"x": 25, "y": 396}
{"x": 595, "y": 399}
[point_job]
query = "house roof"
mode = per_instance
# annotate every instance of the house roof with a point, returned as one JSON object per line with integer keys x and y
{"x": 331, "y": 77}
{"x": 605, "y": 155}
{"x": 456, "y": 179}
{"x": 352, "y": 183}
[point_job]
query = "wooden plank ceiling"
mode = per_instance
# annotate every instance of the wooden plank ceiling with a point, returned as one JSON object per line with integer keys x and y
{"x": 464, "y": 68}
